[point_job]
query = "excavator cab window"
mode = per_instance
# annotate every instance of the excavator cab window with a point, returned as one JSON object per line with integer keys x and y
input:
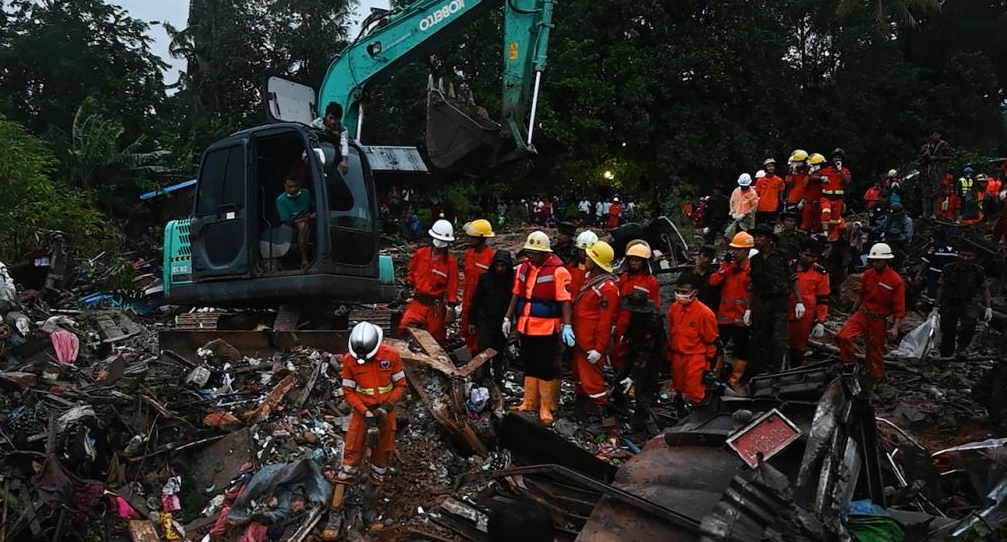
{"x": 350, "y": 208}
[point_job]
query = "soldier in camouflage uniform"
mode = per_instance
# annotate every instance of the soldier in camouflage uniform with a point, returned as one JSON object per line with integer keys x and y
{"x": 790, "y": 240}
{"x": 563, "y": 247}
{"x": 772, "y": 281}
{"x": 961, "y": 284}
{"x": 645, "y": 341}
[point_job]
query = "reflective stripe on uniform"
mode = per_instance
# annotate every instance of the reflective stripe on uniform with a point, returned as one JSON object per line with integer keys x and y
{"x": 544, "y": 279}
{"x": 437, "y": 272}
{"x": 347, "y": 383}
{"x": 386, "y": 389}
{"x": 398, "y": 376}
{"x": 643, "y": 289}
{"x": 886, "y": 287}
{"x": 483, "y": 267}
{"x": 598, "y": 395}
{"x": 366, "y": 391}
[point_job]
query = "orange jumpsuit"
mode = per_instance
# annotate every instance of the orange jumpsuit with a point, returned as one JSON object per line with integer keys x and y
{"x": 833, "y": 189}
{"x": 813, "y": 284}
{"x": 795, "y": 186}
{"x": 692, "y": 337}
{"x": 947, "y": 206}
{"x": 733, "y": 293}
{"x": 576, "y": 277}
{"x": 474, "y": 264}
{"x": 630, "y": 282}
{"x": 811, "y": 214}
{"x": 434, "y": 280}
{"x": 594, "y": 313}
{"x": 613, "y": 216}
{"x": 366, "y": 386}
{"x": 881, "y": 295}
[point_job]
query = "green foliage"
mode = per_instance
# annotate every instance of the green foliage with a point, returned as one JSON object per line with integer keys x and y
{"x": 31, "y": 205}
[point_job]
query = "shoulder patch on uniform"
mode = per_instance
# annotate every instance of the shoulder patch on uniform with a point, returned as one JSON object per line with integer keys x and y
{"x": 820, "y": 269}
{"x": 385, "y": 364}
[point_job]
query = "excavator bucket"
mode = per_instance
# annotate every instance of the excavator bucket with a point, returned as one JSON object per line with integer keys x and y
{"x": 462, "y": 137}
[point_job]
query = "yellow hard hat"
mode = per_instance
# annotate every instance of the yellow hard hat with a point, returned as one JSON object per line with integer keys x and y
{"x": 816, "y": 159}
{"x": 601, "y": 254}
{"x": 538, "y": 241}
{"x": 798, "y": 155}
{"x": 479, "y": 228}
{"x": 640, "y": 249}
{"x": 742, "y": 240}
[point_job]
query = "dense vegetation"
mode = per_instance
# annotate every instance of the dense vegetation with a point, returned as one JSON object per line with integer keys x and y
{"x": 664, "y": 94}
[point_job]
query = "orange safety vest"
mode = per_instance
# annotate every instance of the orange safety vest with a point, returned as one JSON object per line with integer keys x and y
{"x": 733, "y": 293}
{"x": 541, "y": 292}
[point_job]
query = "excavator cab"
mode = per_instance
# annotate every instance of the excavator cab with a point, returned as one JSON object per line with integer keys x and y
{"x": 234, "y": 250}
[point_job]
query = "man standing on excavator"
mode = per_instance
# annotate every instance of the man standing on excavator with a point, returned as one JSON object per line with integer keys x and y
{"x": 433, "y": 276}
{"x": 331, "y": 123}
{"x": 477, "y": 261}
{"x": 373, "y": 382}
{"x": 541, "y": 301}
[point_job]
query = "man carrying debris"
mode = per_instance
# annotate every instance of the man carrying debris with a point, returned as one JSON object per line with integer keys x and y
{"x": 645, "y": 352}
{"x": 881, "y": 294}
{"x": 732, "y": 279}
{"x": 692, "y": 340}
{"x": 595, "y": 307}
{"x": 433, "y": 276}
{"x": 744, "y": 202}
{"x": 541, "y": 301}
{"x": 476, "y": 261}
{"x": 771, "y": 283}
{"x": 373, "y": 382}
{"x": 960, "y": 285}
{"x": 486, "y": 312}
{"x": 636, "y": 278}
{"x": 813, "y": 288}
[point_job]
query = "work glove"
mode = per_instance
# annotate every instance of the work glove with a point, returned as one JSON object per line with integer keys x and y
{"x": 989, "y": 314}
{"x": 382, "y": 411}
{"x": 799, "y": 310}
{"x": 747, "y": 318}
{"x": 706, "y": 231}
{"x": 370, "y": 420}
{"x": 506, "y": 327}
{"x": 627, "y": 384}
{"x": 567, "y": 335}
{"x": 818, "y": 331}
{"x": 593, "y": 356}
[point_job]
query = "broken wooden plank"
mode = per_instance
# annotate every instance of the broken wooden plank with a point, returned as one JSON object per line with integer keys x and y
{"x": 316, "y": 369}
{"x": 440, "y": 360}
{"x": 163, "y": 411}
{"x": 477, "y": 362}
{"x": 272, "y": 399}
{"x": 417, "y": 359}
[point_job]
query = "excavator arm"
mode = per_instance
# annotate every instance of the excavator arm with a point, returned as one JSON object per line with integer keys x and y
{"x": 459, "y": 135}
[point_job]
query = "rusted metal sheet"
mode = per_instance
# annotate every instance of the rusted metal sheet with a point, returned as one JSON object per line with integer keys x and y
{"x": 249, "y": 342}
{"x": 532, "y": 444}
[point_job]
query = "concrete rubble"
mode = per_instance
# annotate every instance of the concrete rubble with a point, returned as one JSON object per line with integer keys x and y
{"x": 107, "y": 435}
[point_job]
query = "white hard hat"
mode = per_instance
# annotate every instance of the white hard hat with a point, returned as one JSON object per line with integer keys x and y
{"x": 586, "y": 239}
{"x": 760, "y": 174}
{"x": 538, "y": 241}
{"x": 442, "y": 231}
{"x": 365, "y": 339}
{"x": 880, "y": 251}
{"x": 892, "y": 173}
{"x": 745, "y": 180}
{"x": 615, "y": 199}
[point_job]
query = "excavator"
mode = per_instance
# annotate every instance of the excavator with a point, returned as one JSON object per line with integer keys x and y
{"x": 233, "y": 251}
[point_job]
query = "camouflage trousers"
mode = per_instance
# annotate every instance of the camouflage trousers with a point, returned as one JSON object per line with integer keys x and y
{"x": 768, "y": 344}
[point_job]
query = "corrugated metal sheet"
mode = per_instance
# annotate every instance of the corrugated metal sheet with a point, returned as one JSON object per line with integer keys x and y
{"x": 398, "y": 159}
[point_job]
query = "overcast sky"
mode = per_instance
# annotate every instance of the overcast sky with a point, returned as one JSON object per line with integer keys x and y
{"x": 176, "y": 12}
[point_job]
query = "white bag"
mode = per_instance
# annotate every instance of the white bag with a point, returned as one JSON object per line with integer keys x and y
{"x": 918, "y": 342}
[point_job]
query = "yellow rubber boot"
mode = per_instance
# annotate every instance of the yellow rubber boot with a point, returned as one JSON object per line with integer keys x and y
{"x": 737, "y": 371}
{"x": 531, "y": 394}
{"x": 555, "y": 394}
{"x": 546, "y": 391}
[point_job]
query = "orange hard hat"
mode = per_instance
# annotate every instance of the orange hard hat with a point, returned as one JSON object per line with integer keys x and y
{"x": 742, "y": 240}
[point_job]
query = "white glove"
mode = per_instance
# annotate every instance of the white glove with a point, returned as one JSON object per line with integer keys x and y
{"x": 799, "y": 310}
{"x": 593, "y": 356}
{"x": 989, "y": 314}
{"x": 626, "y": 384}
{"x": 747, "y": 318}
{"x": 506, "y": 327}
{"x": 857, "y": 225}
{"x": 706, "y": 231}
{"x": 818, "y": 331}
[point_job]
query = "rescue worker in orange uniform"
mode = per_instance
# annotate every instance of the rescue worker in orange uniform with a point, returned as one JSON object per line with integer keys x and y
{"x": 796, "y": 175}
{"x": 541, "y": 302}
{"x": 811, "y": 214}
{"x": 614, "y": 212}
{"x": 813, "y": 285}
{"x": 692, "y": 340}
{"x": 881, "y": 295}
{"x": 770, "y": 188}
{"x": 373, "y": 381}
{"x": 733, "y": 278}
{"x": 836, "y": 177}
{"x": 433, "y": 277}
{"x": 636, "y": 278}
{"x": 477, "y": 260}
{"x": 595, "y": 307}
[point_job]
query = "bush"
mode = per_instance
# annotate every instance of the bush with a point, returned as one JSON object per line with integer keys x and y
{"x": 31, "y": 204}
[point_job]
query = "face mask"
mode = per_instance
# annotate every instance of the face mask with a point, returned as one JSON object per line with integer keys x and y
{"x": 685, "y": 299}
{"x": 440, "y": 244}
{"x": 294, "y": 195}
{"x": 814, "y": 168}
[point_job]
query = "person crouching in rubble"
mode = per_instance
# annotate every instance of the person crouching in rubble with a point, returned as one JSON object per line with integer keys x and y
{"x": 541, "y": 301}
{"x": 645, "y": 343}
{"x": 433, "y": 276}
{"x": 881, "y": 294}
{"x": 813, "y": 288}
{"x": 487, "y": 309}
{"x": 692, "y": 341}
{"x": 595, "y": 308}
{"x": 373, "y": 382}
